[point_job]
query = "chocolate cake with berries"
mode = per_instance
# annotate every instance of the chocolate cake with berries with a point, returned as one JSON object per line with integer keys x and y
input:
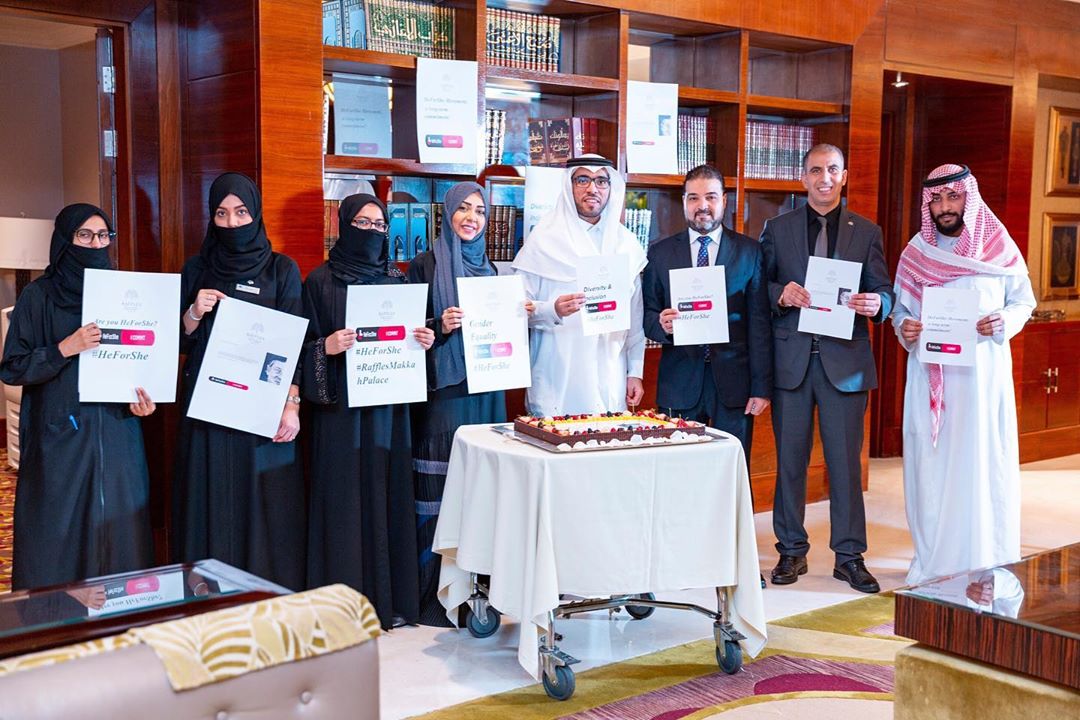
{"x": 605, "y": 427}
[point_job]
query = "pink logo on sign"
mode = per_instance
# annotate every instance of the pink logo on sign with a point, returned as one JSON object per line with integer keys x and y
{"x": 142, "y": 585}
{"x": 392, "y": 332}
{"x": 136, "y": 337}
{"x": 502, "y": 350}
{"x": 605, "y": 306}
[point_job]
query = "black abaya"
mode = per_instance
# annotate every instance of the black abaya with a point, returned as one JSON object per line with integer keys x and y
{"x": 362, "y": 517}
{"x": 81, "y": 500}
{"x": 238, "y": 497}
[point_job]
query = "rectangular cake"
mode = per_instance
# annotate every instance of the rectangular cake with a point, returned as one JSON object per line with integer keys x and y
{"x": 622, "y": 427}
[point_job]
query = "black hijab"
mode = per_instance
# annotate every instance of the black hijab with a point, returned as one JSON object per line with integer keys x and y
{"x": 63, "y": 279}
{"x": 239, "y": 253}
{"x": 359, "y": 257}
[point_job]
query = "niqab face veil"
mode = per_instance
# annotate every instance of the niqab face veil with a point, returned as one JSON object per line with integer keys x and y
{"x": 239, "y": 253}
{"x": 359, "y": 256}
{"x": 63, "y": 279}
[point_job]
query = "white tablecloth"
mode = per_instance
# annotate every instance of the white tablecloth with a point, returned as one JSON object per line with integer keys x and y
{"x": 595, "y": 524}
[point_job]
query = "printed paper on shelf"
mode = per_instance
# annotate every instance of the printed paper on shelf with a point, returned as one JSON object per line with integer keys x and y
{"x": 386, "y": 366}
{"x": 446, "y": 102}
{"x": 248, "y": 367}
{"x": 605, "y": 281}
{"x": 652, "y": 111}
{"x": 495, "y": 332}
{"x": 949, "y": 316}
{"x": 140, "y": 336}
{"x": 361, "y": 117}
{"x": 542, "y": 188}
{"x": 700, "y": 296}
{"x": 141, "y": 592}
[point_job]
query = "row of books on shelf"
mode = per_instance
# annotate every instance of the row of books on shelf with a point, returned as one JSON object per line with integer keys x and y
{"x": 553, "y": 141}
{"x": 523, "y": 40}
{"x": 494, "y": 135}
{"x": 414, "y": 228}
{"x": 774, "y": 151}
{"x": 639, "y": 222}
{"x": 696, "y": 145}
{"x": 394, "y": 26}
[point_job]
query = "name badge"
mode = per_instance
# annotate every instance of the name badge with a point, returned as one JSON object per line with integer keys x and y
{"x": 247, "y": 288}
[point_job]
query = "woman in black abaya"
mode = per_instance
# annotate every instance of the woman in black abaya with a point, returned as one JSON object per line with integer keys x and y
{"x": 238, "y": 497}
{"x": 81, "y": 500}
{"x": 459, "y": 252}
{"x": 363, "y": 528}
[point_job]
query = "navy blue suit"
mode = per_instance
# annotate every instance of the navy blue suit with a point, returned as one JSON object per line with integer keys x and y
{"x": 715, "y": 392}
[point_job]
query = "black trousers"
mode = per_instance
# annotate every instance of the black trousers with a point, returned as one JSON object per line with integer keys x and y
{"x": 840, "y": 417}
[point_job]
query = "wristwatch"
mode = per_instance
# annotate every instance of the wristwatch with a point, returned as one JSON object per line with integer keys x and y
{"x": 294, "y": 399}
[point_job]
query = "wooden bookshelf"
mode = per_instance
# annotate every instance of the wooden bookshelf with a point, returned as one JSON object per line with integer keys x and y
{"x": 766, "y": 185}
{"x": 394, "y": 166}
{"x": 791, "y": 107}
{"x": 553, "y": 83}
{"x": 368, "y": 62}
{"x": 635, "y": 180}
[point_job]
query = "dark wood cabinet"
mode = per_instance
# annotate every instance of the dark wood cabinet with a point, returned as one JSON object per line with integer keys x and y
{"x": 1047, "y": 376}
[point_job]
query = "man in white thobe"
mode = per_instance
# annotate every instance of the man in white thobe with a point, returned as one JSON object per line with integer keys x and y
{"x": 573, "y": 373}
{"x": 961, "y": 453}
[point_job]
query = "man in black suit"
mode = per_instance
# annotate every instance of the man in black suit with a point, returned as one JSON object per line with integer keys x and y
{"x": 723, "y": 385}
{"x": 830, "y": 373}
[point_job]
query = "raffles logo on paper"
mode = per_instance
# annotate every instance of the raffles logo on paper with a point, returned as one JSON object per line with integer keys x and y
{"x": 131, "y": 302}
{"x": 256, "y": 335}
{"x": 386, "y": 310}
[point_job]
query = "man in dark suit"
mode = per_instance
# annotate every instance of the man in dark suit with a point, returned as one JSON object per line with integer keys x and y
{"x": 832, "y": 374}
{"x": 723, "y": 385}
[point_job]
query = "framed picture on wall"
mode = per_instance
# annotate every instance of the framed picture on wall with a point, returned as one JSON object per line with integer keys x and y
{"x": 1063, "y": 162}
{"x": 1061, "y": 252}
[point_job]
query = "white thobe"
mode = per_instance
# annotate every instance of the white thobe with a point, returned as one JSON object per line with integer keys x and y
{"x": 963, "y": 496}
{"x": 573, "y": 373}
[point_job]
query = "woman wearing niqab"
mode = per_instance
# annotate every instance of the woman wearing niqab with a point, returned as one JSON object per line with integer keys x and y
{"x": 238, "y": 497}
{"x": 81, "y": 501}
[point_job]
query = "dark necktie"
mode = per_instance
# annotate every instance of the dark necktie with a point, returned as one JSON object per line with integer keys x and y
{"x": 821, "y": 245}
{"x": 703, "y": 261}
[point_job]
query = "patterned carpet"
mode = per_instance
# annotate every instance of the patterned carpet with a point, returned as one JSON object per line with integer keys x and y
{"x": 823, "y": 665}
{"x": 7, "y": 514}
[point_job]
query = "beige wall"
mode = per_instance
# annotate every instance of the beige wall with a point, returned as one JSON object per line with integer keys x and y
{"x": 79, "y": 124}
{"x": 1040, "y": 203}
{"x": 31, "y": 165}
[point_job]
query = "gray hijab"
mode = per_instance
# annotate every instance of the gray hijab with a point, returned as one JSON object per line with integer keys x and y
{"x": 455, "y": 258}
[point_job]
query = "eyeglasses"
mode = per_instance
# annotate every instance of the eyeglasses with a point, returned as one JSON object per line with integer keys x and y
{"x": 601, "y": 182}
{"x": 85, "y": 237}
{"x": 365, "y": 224}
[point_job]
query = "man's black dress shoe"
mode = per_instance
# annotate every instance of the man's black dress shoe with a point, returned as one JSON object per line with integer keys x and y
{"x": 855, "y": 574}
{"x": 788, "y": 570}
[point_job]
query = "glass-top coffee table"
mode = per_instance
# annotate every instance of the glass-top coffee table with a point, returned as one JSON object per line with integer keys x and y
{"x": 32, "y": 620}
{"x": 1024, "y": 616}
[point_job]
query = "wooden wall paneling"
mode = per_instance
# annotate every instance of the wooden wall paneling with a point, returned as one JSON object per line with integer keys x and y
{"x": 470, "y": 31}
{"x": 1016, "y": 206}
{"x": 1063, "y": 406}
{"x": 170, "y": 153}
{"x": 1033, "y": 396}
{"x": 220, "y": 121}
{"x": 624, "y": 55}
{"x": 973, "y": 44}
{"x": 1041, "y": 47}
{"x": 806, "y": 18}
{"x": 290, "y": 143}
{"x": 143, "y": 132}
{"x": 221, "y": 38}
{"x": 740, "y": 153}
{"x": 671, "y": 61}
{"x": 82, "y": 11}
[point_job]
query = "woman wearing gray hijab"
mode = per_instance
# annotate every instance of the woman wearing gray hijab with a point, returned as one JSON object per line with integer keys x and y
{"x": 460, "y": 251}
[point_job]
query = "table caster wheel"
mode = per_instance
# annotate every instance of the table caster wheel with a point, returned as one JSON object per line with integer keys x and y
{"x": 729, "y": 658}
{"x": 563, "y": 687}
{"x": 640, "y": 612}
{"x": 483, "y": 627}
